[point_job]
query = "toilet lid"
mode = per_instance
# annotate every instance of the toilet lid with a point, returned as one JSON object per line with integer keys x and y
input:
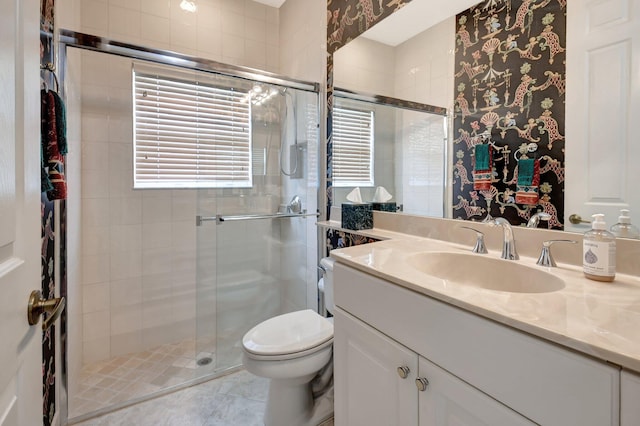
{"x": 289, "y": 333}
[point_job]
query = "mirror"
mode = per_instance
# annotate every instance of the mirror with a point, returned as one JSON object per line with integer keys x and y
{"x": 411, "y": 56}
{"x": 406, "y": 146}
{"x": 397, "y": 60}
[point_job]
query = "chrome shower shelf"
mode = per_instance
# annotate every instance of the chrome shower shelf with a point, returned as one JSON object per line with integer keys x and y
{"x": 229, "y": 218}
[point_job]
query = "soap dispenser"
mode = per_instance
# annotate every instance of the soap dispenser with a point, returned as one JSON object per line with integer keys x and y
{"x": 599, "y": 251}
{"x": 624, "y": 228}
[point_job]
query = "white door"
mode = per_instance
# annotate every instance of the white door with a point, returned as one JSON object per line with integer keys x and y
{"x": 602, "y": 110}
{"x": 20, "y": 344}
{"x": 368, "y": 387}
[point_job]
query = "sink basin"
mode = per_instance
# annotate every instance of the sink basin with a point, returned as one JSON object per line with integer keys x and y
{"x": 485, "y": 272}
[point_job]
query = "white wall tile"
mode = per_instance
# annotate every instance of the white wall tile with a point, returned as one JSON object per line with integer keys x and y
{"x": 126, "y": 292}
{"x": 95, "y": 184}
{"x": 179, "y": 15}
{"x": 183, "y": 36}
{"x": 209, "y": 16}
{"x": 156, "y": 210}
{"x": 120, "y": 156}
{"x": 124, "y": 22}
{"x": 157, "y": 235}
{"x": 161, "y": 8}
{"x": 126, "y": 264}
{"x": 96, "y": 325}
{"x": 125, "y": 210}
{"x": 183, "y": 235}
{"x": 95, "y": 156}
{"x": 233, "y": 47}
{"x": 95, "y": 127}
{"x": 121, "y": 186}
{"x": 154, "y": 28}
{"x": 95, "y": 212}
{"x": 95, "y": 14}
{"x": 128, "y": 4}
{"x": 125, "y": 238}
{"x": 95, "y": 240}
{"x": 157, "y": 261}
{"x": 255, "y": 29}
{"x": 95, "y": 297}
{"x": 126, "y": 319}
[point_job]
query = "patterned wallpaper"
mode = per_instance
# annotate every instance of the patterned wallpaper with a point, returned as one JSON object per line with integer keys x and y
{"x": 508, "y": 151}
{"x": 47, "y": 233}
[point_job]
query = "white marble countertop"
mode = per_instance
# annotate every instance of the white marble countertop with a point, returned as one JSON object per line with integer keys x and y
{"x": 598, "y": 319}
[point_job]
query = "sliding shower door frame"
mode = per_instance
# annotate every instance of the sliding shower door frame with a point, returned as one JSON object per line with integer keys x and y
{"x": 67, "y": 38}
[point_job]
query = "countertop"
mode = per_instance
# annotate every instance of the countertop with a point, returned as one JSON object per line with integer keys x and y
{"x": 598, "y": 319}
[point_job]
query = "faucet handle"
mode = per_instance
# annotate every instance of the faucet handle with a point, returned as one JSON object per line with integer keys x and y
{"x": 479, "y": 247}
{"x": 545, "y": 258}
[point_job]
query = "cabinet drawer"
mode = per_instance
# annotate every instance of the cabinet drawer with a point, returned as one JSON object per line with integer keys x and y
{"x": 540, "y": 380}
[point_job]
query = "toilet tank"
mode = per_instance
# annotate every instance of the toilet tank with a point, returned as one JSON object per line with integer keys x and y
{"x": 327, "y": 264}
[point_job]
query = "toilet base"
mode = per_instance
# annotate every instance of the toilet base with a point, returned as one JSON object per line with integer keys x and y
{"x": 289, "y": 403}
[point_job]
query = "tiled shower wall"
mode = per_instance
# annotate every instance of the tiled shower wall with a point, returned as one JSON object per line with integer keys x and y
{"x": 303, "y": 56}
{"x": 138, "y": 247}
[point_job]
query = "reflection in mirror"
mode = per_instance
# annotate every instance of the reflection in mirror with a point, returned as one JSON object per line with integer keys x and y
{"x": 410, "y": 146}
{"x": 385, "y": 143}
{"x": 600, "y": 171}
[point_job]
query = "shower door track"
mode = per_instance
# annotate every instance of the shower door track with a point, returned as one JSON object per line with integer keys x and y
{"x": 68, "y": 38}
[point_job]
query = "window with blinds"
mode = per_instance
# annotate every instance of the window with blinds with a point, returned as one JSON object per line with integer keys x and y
{"x": 190, "y": 134}
{"x": 352, "y": 136}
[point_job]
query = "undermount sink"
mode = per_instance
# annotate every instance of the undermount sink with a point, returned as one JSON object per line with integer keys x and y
{"x": 485, "y": 272}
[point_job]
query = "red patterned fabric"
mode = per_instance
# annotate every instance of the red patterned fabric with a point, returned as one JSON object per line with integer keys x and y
{"x": 53, "y": 158}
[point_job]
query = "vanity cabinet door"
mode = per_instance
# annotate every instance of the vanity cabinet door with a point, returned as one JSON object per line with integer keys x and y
{"x": 369, "y": 389}
{"x": 629, "y": 398}
{"x": 448, "y": 401}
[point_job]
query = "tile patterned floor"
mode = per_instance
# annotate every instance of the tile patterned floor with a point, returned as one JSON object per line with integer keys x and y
{"x": 237, "y": 399}
{"x": 125, "y": 378}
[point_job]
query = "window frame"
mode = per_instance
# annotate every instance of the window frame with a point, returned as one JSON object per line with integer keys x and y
{"x": 189, "y": 149}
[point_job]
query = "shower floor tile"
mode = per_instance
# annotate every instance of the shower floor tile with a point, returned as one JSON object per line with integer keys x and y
{"x": 115, "y": 381}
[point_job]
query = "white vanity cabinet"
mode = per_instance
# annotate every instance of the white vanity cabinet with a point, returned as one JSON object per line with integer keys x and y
{"x": 630, "y": 399}
{"x": 479, "y": 371}
{"x": 384, "y": 383}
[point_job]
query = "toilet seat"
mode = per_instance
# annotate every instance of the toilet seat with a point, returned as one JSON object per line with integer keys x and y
{"x": 288, "y": 336}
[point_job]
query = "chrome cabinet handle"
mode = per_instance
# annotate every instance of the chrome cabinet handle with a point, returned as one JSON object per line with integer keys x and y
{"x": 422, "y": 383}
{"x": 38, "y": 305}
{"x": 403, "y": 371}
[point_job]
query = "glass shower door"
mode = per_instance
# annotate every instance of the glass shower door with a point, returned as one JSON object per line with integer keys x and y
{"x": 253, "y": 268}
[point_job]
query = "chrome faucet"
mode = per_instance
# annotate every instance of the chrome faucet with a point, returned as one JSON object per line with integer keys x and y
{"x": 508, "y": 242}
{"x": 536, "y": 218}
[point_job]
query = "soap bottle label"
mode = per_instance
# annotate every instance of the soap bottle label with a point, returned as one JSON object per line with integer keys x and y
{"x": 598, "y": 258}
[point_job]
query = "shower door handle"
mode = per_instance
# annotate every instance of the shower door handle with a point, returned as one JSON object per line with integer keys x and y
{"x": 38, "y": 305}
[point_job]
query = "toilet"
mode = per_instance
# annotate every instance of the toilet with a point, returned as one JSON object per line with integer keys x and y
{"x": 291, "y": 350}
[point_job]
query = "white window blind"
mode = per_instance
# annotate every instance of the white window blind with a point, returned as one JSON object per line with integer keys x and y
{"x": 352, "y": 136}
{"x": 190, "y": 134}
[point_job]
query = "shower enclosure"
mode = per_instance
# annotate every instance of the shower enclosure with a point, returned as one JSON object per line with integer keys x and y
{"x": 169, "y": 279}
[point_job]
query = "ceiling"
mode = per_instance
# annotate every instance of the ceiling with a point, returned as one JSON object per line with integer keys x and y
{"x": 414, "y": 18}
{"x": 272, "y": 3}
